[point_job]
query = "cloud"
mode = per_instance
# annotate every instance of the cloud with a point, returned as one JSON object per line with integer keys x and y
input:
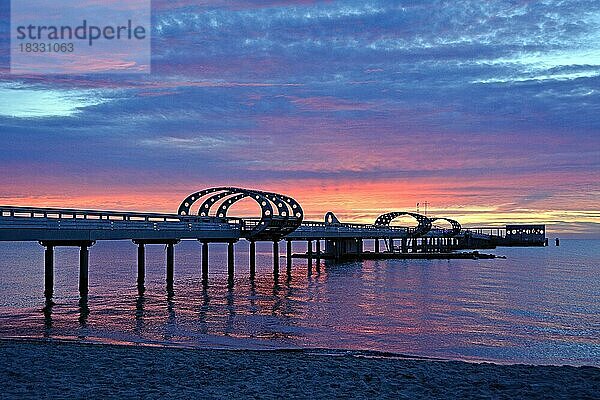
{"x": 203, "y": 143}
{"x": 21, "y": 101}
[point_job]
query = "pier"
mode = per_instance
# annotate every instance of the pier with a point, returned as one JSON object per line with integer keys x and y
{"x": 281, "y": 219}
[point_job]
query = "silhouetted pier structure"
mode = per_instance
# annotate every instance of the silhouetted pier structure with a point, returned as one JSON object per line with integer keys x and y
{"x": 282, "y": 218}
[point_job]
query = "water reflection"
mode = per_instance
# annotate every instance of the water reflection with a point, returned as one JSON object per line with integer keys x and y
{"x": 288, "y": 302}
{"x": 276, "y": 299}
{"x": 84, "y": 311}
{"x": 527, "y": 308}
{"x": 204, "y": 310}
{"x": 139, "y": 314}
{"x": 230, "y": 322}
{"x": 171, "y": 324}
{"x": 252, "y": 298}
{"x": 47, "y": 311}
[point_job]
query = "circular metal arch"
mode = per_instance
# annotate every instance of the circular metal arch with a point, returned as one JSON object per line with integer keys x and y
{"x": 185, "y": 206}
{"x": 271, "y": 225}
{"x": 205, "y": 207}
{"x": 456, "y": 227}
{"x": 424, "y": 223}
{"x": 278, "y": 200}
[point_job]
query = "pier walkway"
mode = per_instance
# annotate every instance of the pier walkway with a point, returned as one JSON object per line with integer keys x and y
{"x": 281, "y": 219}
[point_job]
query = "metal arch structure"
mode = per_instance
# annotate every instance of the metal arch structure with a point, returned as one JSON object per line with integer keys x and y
{"x": 424, "y": 223}
{"x": 456, "y": 227}
{"x": 205, "y": 207}
{"x": 271, "y": 225}
{"x": 185, "y": 206}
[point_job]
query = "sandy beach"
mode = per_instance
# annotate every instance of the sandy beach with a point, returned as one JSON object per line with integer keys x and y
{"x": 31, "y": 369}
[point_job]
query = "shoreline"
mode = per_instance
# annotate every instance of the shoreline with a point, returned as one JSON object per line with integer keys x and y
{"x": 324, "y": 351}
{"x": 321, "y": 351}
{"x": 73, "y": 370}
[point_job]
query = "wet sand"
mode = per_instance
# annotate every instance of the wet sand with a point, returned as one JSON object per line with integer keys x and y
{"x": 52, "y": 370}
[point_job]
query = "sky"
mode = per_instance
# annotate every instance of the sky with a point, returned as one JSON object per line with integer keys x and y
{"x": 487, "y": 110}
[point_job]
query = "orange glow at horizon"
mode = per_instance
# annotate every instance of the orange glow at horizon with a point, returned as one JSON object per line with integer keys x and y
{"x": 362, "y": 202}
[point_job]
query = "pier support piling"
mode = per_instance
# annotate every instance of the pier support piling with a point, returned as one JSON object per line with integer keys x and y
{"x": 376, "y": 246}
{"x": 310, "y": 256}
{"x": 84, "y": 265}
{"x": 318, "y": 251}
{"x": 276, "y": 257}
{"x": 252, "y": 258}
{"x": 205, "y": 262}
{"x": 230, "y": 261}
{"x": 141, "y": 267}
{"x": 170, "y": 265}
{"x": 49, "y": 271}
{"x": 289, "y": 256}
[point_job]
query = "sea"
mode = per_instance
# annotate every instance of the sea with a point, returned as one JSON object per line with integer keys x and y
{"x": 536, "y": 306}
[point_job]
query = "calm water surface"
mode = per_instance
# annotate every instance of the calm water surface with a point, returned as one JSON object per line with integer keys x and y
{"x": 540, "y": 305}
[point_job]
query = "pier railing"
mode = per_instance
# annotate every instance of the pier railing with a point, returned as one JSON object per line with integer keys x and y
{"x": 82, "y": 214}
{"x": 73, "y": 219}
{"x": 371, "y": 227}
{"x": 76, "y": 219}
{"x": 488, "y": 230}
